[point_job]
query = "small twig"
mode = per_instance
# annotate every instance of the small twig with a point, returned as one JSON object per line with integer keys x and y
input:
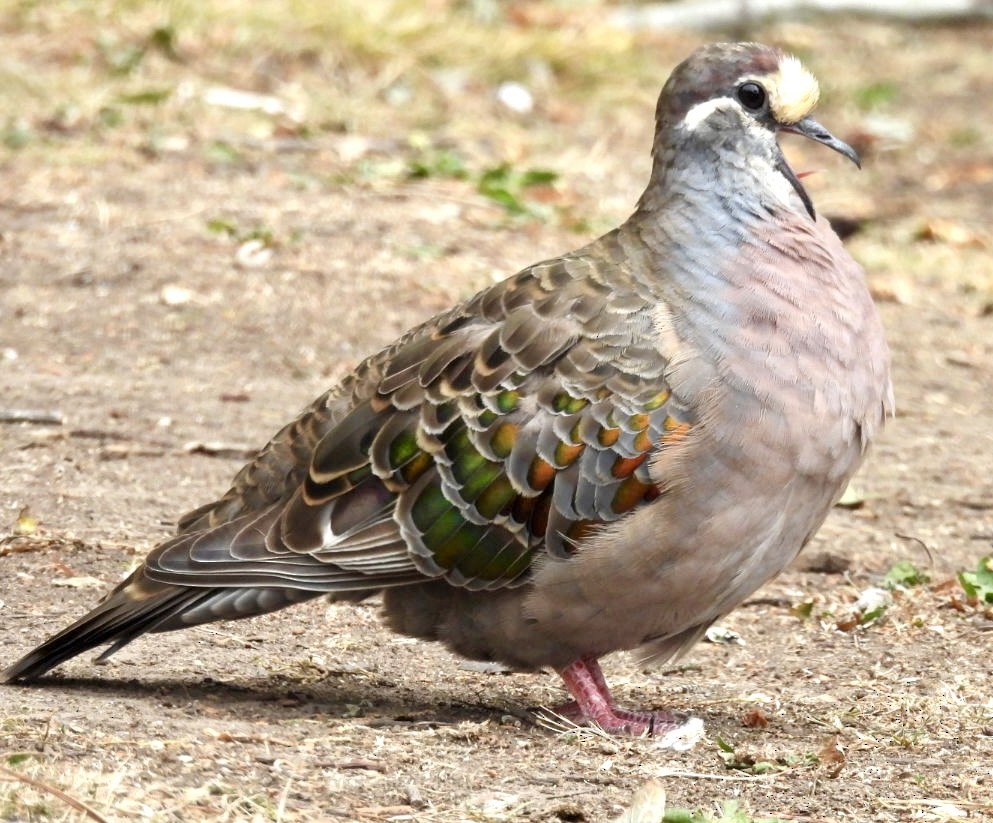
{"x": 124, "y": 437}
{"x": 38, "y": 416}
{"x": 361, "y": 763}
{"x": 281, "y": 805}
{"x": 927, "y": 802}
{"x": 168, "y": 218}
{"x": 735, "y": 778}
{"x": 977, "y": 505}
{"x": 682, "y": 668}
{"x": 227, "y": 737}
{"x": 559, "y": 724}
{"x": 22, "y": 543}
{"x": 583, "y": 778}
{"x": 48, "y": 731}
{"x": 78, "y": 805}
{"x": 246, "y": 642}
{"x": 922, "y": 544}
{"x": 218, "y": 449}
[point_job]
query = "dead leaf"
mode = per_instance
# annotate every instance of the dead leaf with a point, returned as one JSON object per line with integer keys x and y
{"x": 852, "y": 498}
{"x": 647, "y": 805}
{"x": 938, "y": 230}
{"x": 897, "y": 290}
{"x": 26, "y": 523}
{"x": 755, "y": 719}
{"x": 846, "y": 624}
{"x": 833, "y": 756}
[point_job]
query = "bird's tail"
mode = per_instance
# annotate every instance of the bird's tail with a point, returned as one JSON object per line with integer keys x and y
{"x": 141, "y": 605}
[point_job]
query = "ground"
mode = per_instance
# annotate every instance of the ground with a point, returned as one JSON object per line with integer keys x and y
{"x": 179, "y": 277}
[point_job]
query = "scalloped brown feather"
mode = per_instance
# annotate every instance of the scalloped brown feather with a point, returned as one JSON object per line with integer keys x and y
{"x": 610, "y": 449}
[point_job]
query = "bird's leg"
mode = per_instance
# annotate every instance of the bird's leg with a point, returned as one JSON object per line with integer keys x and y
{"x": 593, "y": 703}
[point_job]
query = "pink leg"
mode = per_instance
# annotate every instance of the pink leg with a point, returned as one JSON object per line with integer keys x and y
{"x": 593, "y": 704}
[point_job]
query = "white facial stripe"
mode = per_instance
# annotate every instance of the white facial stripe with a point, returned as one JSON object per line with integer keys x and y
{"x": 701, "y": 111}
{"x": 793, "y": 93}
{"x": 758, "y": 164}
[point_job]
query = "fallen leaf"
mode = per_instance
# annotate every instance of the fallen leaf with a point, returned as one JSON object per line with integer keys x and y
{"x": 897, "y": 290}
{"x": 846, "y": 624}
{"x": 938, "y": 230}
{"x": 832, "y": 755}
{"x": 755, "y": 719}
{"x": 26, "y": 523}
{"x": 647, "y": 805}
{"x": 852, "y": 498}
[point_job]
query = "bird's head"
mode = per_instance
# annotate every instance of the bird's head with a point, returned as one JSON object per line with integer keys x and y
{"x": 741, "y": 95}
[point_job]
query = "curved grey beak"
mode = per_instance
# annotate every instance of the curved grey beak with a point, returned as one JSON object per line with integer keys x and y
{"x": 809, "y": 127}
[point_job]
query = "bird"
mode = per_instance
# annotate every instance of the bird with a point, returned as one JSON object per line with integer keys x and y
{"x": 609, "y": 450}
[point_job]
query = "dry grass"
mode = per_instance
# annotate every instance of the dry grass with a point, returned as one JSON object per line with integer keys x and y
{"x": 380, "y": 68}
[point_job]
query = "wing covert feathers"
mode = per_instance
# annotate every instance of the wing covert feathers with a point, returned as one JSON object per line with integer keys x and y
{"x": 503, "y": 429}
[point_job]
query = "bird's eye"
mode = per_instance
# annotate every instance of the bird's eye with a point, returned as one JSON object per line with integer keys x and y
{"x": 751, "y": 95}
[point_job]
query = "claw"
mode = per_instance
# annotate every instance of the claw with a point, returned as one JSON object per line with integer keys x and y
{"x": 593, "y": 703}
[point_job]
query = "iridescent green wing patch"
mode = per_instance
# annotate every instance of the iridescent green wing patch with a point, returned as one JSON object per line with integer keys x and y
{"x": 496, "y": 435}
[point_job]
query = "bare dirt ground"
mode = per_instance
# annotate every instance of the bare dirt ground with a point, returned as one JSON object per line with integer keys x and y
{"x": 134, "y": 304}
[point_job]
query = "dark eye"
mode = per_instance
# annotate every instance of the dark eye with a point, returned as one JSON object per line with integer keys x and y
{"x": 751, "y": 95}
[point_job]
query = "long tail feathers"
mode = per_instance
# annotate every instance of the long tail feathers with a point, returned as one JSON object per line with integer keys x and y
{"x": 140, "y": 605}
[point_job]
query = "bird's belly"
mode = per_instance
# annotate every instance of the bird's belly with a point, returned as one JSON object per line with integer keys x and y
{"x": 732, "y": 516}
{"x": 734, "y": 513}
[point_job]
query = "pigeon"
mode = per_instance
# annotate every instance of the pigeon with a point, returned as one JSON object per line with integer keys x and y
{"x": 609, "y": 450}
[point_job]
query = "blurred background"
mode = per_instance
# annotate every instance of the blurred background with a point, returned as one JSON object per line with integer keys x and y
{"x": 542, "y": 109}
{"x": 210, "y": 210}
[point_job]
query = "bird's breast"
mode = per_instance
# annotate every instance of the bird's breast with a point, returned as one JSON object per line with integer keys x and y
{"x": 778, "y": 353}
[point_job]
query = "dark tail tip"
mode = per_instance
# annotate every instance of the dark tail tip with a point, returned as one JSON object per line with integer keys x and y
{"x": 30, "y": 667}
{"x": 120, "y": 618}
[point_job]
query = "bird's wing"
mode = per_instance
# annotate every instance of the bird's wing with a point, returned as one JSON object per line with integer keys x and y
{"x": 504, "y": 428}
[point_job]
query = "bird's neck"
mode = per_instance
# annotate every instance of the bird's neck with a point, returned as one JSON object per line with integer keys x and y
{"x": 749, "y": 285}
{"x": 720, "y": 178}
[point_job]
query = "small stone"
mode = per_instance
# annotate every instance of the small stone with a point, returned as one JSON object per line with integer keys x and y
{"x": 174, "y": 295}
{"x": 515, "y": 97}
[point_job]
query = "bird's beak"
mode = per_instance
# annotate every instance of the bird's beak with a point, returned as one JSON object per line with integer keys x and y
{"x": 809, "y": 127}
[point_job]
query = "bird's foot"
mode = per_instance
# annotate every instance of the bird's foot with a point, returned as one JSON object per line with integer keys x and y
{"x": 616, "y": 720}
{"x": 593, "y": 704}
